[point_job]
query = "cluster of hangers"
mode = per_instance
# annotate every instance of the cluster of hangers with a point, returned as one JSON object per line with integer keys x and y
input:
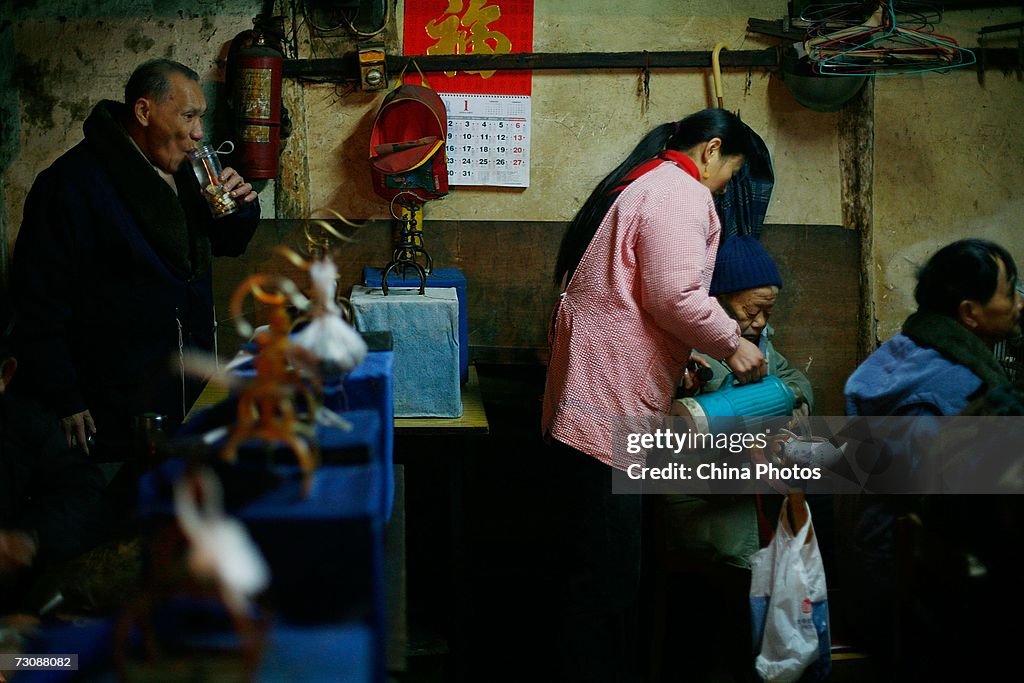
{"x": 896, "y": 38}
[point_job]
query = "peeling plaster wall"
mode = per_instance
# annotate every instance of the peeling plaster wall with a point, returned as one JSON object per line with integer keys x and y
{"x": 949, "y": 159}
{"x": 69, "y": 55}
{"x": 584, "y": 124}
{"x": 951, "y": 170}
{"x": 9, "y": 124}
{"x": 948, "y": 151}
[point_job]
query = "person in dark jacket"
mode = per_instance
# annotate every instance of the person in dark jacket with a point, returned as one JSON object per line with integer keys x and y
{"x": 51, "y": 495}
{"x": 914, "y": 573}
{"x": 112, "y": 265}
{"x": 943, "y": 358}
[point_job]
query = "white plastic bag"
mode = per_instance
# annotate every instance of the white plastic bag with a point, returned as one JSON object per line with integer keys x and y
{"x": 789, "y": 605}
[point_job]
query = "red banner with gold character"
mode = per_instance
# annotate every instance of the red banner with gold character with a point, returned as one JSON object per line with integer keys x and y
{"x": 465, "y": 27}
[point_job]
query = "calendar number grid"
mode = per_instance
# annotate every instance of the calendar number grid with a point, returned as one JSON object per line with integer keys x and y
{"x": 488, "y": 140}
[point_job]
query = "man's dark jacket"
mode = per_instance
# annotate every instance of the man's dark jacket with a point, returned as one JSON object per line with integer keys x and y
{"x": 111, "y": 271}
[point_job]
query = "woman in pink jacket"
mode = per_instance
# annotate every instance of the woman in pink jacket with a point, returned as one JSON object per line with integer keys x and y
{"x": 634, "y": 268}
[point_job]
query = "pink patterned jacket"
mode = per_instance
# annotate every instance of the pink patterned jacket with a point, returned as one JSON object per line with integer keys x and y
{"x": 638, "y": 302}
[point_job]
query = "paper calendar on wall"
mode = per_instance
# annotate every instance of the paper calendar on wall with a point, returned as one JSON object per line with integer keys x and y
{"x": 488, "y": 141}
{"x": 489, "y": 120}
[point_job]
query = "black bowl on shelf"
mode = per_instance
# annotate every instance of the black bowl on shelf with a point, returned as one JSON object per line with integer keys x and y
{"x": 815, "y": 91}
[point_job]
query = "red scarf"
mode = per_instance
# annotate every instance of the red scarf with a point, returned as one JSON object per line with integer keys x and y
{"x": 676, "y": 157}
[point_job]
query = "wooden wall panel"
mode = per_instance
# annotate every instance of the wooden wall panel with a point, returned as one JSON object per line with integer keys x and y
{"x": 508, "y": 267}
{"x": 817, "y": 314}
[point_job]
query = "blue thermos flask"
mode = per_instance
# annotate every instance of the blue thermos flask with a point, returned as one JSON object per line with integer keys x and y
{"x": 727, "y": 409}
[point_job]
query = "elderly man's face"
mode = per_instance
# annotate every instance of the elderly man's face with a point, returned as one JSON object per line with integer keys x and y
{"x": 172, "y": 127}
{"x": 751, "y": 308}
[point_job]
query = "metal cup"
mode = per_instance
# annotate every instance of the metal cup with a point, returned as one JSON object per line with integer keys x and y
{"x": 206, "y": 165}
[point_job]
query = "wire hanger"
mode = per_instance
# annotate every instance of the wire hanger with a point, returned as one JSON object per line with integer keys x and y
{"x": 883, "y": 46}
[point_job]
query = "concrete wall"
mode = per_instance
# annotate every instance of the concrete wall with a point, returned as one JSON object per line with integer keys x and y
{"x": 948, "y": 151}
{"x": 584, "y": 124}
{"x": 949, "y": 158}
{"x": 69, "y": 55}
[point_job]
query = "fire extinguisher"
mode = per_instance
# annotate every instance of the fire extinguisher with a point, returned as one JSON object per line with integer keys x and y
{"x": 254, "y": 70}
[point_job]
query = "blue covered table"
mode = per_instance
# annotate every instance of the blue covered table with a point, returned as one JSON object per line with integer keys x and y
{"x": 325, "y": 549}
{"x": 367, "y": 387}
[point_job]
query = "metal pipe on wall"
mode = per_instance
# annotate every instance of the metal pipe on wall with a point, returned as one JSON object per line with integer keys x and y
{"x": 346, "y": 68}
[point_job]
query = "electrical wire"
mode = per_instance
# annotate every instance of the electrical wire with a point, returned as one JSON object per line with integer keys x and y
{"x": 346, "y": 21}
{"x": 350, "y": 24}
